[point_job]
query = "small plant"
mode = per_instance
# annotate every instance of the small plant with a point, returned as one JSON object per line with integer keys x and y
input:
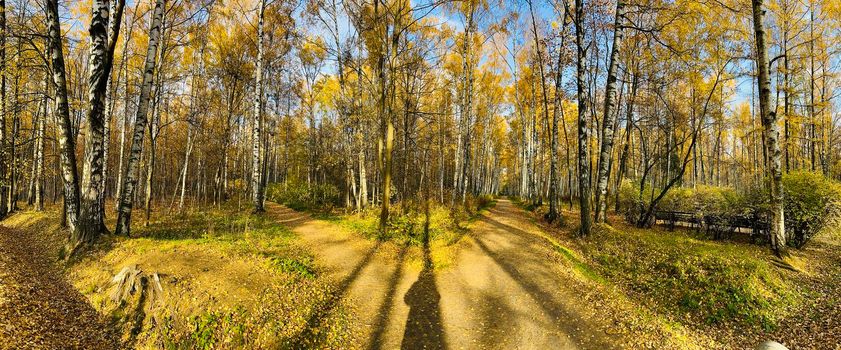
{"x": 301, "y": 267}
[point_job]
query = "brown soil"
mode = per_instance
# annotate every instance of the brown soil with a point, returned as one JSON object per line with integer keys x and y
{"x": 500, "y": 291}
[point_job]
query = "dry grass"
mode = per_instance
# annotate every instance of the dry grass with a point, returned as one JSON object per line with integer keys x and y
{"x": 230, "y": 280}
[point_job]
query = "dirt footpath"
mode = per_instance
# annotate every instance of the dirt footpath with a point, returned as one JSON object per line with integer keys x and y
{"x": 39, "y": 309}
{"x": 501, "y": 291}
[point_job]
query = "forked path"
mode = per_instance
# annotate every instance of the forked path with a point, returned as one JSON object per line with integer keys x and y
{"x": 503, "y": 289}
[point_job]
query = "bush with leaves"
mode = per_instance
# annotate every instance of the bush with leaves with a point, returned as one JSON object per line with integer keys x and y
{"x": 811, "y": 203}
{"x": 631, "y": 201}
{"x": 407, "y": 223}
{"x": 302, "y": 196}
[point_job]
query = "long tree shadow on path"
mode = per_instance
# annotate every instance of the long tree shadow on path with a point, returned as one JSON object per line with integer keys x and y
{"x": 570, "y": 322}
{"x": 424, "y": 329}
{"x": 385, "y": 308}
{"x": 308, "y": 336}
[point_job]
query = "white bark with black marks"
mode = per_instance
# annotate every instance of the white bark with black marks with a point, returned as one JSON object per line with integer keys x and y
{"x": 771, "y": 131}
{"x": 132, "y": 168}
{"x": 3, "y": 166}
{"x": 609, "y": 121}
{"x": 66, "y": 138}
{"x": 257, "y": 185}
{"x": 583, "y": 128}
{"x": 91, "y": 223}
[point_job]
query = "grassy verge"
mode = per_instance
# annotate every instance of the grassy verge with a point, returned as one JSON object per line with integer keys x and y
{"x": 730, "y": 294}
{"x": 697, "y": 282}
{"x": 229, "y": 280}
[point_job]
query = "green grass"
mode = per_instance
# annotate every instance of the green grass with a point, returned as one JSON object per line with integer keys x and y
{"x": 692, "y": 279}
{"x": 405, "y": 228}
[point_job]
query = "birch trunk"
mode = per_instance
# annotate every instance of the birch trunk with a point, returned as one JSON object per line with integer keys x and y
{"x": 100, "y": 61}
{"x": 39, "y": 154}
{"x": 132, "y": 168}
{"x": 126, "y": 103}
{"x": 115, "y": 21}
{"x": 583, "y": 128}
{"x": 467, "y": 67}
{"x": 552, "y": 215}
{"x": 189, "y": 150}
{"x": 609, "y": 117}
{"x": 256, "y": 167}
{"x": 155, "y": 125}
{"x": 626, "y": 149}
{"x": 772, "y": 133}
{"x": 66, "y": 139}
{"x": 3, "y": 166}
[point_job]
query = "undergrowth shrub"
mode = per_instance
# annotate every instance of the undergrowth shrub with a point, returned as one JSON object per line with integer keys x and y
{"x": 408, "y": 221}
{"x": 812, "y": 203}
{"x": 302, "y": 196}
{"x": 484, "y": 201}
{"x": 630, "y": 200}
{"x": 407, "y": 225}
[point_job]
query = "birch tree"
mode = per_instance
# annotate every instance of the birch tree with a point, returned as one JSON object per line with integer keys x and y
{"x": 583, "y": 127}
{"x": 131, "y": 173}
{"x": 257, "y": 184}
{"x": 66, "y": 136}
{"x": 3, "y": 166}
{"x": 771, "y": 132}
{"x": 609, "y": 120}
{"x": 102, "y": 44}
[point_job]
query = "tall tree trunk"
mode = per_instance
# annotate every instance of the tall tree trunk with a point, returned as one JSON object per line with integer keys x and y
{"x": 189, "y": 150}
{"x": 256, "y": 167}
{"x": 66, "y": 138}
{"x": 552, "y": 215}
{"x": 583, "y": 128}
{"x": 91, "y": 223}
{"x": 12, "y": 197}
{"x": 467, "y": 109}
{"x": 154, "y": 130}
{"x": 810, "y": 130}
{"x": 36, "y": 120}
{"x": 132, "y": 168}
{"x": 3, "y": 66}
{"x": 772, "y": 133}
{"x": 39, "y": 152}
{"x": 786, "y": 90}
{"x": 386, "y": 143}
{"x": 605, "y": 156}
{"x": 626, "y": 149}
{"x": 126, "y": 103}
{"x": 115, "y": 22}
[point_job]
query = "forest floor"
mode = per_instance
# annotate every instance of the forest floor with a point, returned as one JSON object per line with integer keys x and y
{"x": 497, "y": 291}
{"x": 714, "y": 293}
{"x": 502, "y": 279}
{"x": 39, "y": 309}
